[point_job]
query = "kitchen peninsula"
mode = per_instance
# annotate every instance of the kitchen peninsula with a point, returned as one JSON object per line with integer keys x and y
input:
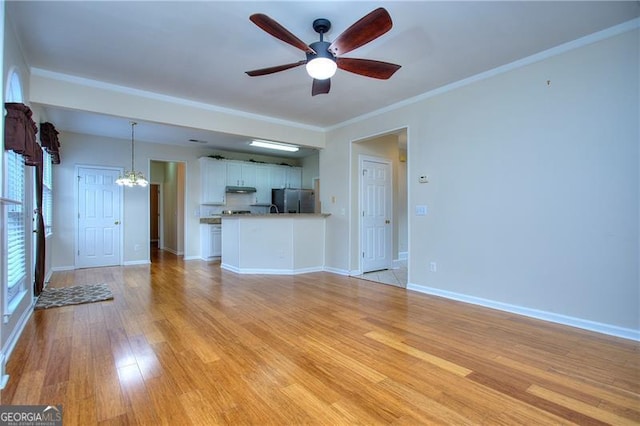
{"x": 285, "y": 244}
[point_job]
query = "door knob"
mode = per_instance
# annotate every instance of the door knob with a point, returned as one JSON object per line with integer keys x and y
{"x": 117, "y": 222}
{"x": 387, "y": 221}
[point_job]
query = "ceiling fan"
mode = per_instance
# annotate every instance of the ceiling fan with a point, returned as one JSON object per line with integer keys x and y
{"x": 323, "y": 58}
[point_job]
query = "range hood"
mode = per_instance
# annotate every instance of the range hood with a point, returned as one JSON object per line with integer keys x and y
{"x": 239, "y": 189}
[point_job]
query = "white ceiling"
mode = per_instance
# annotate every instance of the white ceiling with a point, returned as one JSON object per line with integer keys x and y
{"x": 200, "y": 50}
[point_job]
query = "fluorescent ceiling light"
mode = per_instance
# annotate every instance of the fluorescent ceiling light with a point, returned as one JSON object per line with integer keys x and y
{"x": 274, "y": 145}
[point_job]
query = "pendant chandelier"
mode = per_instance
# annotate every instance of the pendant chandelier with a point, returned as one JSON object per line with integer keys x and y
{"x": 132, "y": 178}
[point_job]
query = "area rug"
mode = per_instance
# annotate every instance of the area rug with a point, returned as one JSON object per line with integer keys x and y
{"x": 56, "y": 297}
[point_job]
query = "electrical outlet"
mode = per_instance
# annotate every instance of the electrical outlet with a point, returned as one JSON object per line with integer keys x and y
{"x": 433, "y": 267}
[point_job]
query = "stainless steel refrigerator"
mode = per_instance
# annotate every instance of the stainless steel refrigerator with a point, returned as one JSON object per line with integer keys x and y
{"x": 294, "y": 200}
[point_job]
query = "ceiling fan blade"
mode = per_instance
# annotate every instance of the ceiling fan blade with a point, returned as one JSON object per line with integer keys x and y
{"x": 368, "y": 67}
{"x": 271, "y": 70}
{"x": 320, "y": 86}
{"x": 368, "y": 28}
{"x": 278, "y": 31}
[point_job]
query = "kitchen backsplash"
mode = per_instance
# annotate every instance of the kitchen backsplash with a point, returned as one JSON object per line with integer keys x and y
{"x": 233, "y": 202}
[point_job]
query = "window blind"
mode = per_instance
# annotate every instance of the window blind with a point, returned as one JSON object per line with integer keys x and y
{"x": 15, "y": 222}
{"x": 47, "y": 194}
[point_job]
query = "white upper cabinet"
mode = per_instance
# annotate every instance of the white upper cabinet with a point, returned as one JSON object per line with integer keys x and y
{"x": 216, "y": 175}
{"x": 263, "y": 184}
{"x": 240, "y": 173}
{"x": 278, "y": 177}
{"x": 294, "y": 177}
{"x": 286, "y": 177}
{"x": 213, "y": 175}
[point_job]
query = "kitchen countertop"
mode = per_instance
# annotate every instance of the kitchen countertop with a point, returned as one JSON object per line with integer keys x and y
{"x": 216, "y": 220}
{"x": 212, "y": 220}
{"x": 274, "y": 215}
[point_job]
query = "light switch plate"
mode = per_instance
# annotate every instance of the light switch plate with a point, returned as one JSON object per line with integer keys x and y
{"x": 421, "y": 210}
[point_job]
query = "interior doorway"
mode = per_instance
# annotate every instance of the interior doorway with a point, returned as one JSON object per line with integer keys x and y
{"x": 155, "y": 218}
{"x": 168, "y": 181}
{"x": 391, "y": 147}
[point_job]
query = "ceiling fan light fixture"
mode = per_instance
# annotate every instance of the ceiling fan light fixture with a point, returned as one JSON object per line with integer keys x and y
{"x": 274, "y": 145}
{"x": 321, "y": 65}
{"x": 321, "y": 68}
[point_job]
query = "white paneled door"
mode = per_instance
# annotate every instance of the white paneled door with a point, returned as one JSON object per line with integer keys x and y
{"x": 99, "y": 218}
{"x": 376, "y": 229}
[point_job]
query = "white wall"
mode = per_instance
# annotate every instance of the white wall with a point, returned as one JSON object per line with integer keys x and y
{"x": 534, "y": 190}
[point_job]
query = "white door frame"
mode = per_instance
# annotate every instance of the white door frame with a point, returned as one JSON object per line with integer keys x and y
{"x": 185, "y": 234}
{"x": 361, "y": 159}
{"x": 76, "y": 215}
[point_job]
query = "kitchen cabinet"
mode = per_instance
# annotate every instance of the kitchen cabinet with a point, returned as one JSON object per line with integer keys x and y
{"x": 213, "y": 176}
{"x": 278, "y": 177}
{"x": 240, "y": 173}
{"x": 263, "y": 184}
{"x": 217, "y": 174}
{"x": 211, "y": 241}
{"x": 286, "y": 177}
{"x": 294, "y": 177}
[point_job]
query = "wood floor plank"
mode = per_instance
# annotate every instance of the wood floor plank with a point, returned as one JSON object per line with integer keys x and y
{"x": 166, "y": 403}
{"x": 581, "y": 407}
{"x": 189, "y": 343}
{"x": 80, "y": 413}
{"x": 137, "y": 399}
{"x": 400, "y": 346}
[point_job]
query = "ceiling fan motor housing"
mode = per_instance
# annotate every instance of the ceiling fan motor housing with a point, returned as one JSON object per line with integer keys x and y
{"x": 322, "y": 51}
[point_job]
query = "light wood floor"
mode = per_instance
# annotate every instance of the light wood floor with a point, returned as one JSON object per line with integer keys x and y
{"x": 187, "y": 343}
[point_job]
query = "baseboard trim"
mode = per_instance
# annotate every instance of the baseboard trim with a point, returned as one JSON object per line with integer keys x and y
{"x": 12, "y": 341}
{"x": 137, "y": 262}
{"x": 611, "y": 330}
{"x": 62, "y": 268}
{"x": 343, "y": 272}
{"x": 4, "y": 378}
{"x": 258, "y": 271}
{"x": 195, "y": 258}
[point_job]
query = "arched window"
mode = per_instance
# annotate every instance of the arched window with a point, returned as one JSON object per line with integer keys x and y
{"x": 14, "y": 87}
